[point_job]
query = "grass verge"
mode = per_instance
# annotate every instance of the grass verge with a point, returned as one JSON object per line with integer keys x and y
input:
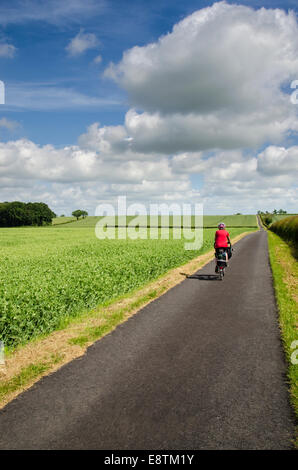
{"x": 283, "y": 259}
{"x": 19, "y": 381}
{"x": 26, "y": 364}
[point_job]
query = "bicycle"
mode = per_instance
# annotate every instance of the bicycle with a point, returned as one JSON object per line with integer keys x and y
{"x": 221, "y": 260}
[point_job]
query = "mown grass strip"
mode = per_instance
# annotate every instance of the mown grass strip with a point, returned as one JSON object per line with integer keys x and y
{"x": 285, "y": 274}
{"x": 27, "y": 375}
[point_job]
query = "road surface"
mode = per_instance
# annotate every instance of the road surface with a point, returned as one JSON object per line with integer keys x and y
{"x": 201, "y": 367}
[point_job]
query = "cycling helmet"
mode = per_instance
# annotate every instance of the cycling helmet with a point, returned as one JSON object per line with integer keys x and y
{"x": 221, "y": 225}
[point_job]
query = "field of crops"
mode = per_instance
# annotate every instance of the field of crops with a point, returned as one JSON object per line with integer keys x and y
{"x": 63, "y": 220}
{"x": 49, "y": 274}
{"x": 278, "y": 217}
{"x": 287, "y": 228}
{"x": 208, "y": 221}
{"x": 272, "y": 218}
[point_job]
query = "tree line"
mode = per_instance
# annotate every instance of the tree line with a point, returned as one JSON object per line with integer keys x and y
{"x": 16, "y": 214}
{"x": 267, "y": 217}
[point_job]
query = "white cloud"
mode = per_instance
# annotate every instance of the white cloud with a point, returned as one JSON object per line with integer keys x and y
{"x": 50, "y": 11}
{"x": 100, "y": 170}
{"x": 220, "y": 57}
{"x": 23, "y": 159}
{"x": 207, "y": 96}
{"x": 193, "y": 132}
{"x": 81, "y": 43}
{"x": 108, "y": 139}
{"x": 214, "y": 82}
{"x": 7, "y": 124}
{"x": 233, "y": 182}
{"x": 46, "y": 96}
{"x": 98, "y": 59}
{"x": 64, "y": 177}
{"x": 7, "y": 50}
{"x": 275, "y": 167}
{"x": 279, "y": 161}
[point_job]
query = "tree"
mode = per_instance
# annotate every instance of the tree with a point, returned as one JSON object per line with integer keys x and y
{"x": 267, "y": 220}
{"x": 16, "y": 213}
{"x": 79, "y": 213}
{"x": 40, "y": 213}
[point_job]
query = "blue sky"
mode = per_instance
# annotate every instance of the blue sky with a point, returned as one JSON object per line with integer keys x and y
{"x": 56, "y": 89}
{"x": 41, "y": 61}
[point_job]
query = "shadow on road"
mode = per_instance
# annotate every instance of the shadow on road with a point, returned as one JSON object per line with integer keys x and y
{"x": 204, "y": 277}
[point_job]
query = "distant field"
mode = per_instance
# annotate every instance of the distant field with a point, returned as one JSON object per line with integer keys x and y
{"x": 231, "y": 220}
{"x": 62, "y": 220}
{"x": 277, "y": 217}
{"x": 208, "y": 221}
{"x": 49, "y": 274}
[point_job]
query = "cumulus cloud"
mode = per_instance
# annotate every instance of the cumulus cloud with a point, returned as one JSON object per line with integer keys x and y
{"x": 274, "y": 167}
{"x": 214, "y": 81}
{"x": 234, "y": 181}
{"x": 71, "y": 175}
{"x": 111, "y": 140}
{"x": 97, "y": 170}
{"x": 279, "y": 161}
{"x": 220, "y": 57}
{"x": 206, "y": 98}
{"x": 24, "y": 159}
{"x": 177, "y": 133}
{"x": 81, "y": 43}
{"x": 153, "y": 134}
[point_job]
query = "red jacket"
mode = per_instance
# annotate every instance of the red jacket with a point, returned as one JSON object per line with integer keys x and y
{"x": 221, "y": 239}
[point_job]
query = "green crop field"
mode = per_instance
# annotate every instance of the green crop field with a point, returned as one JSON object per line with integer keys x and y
{"x": 278, "y": 217}
{"x": 208, "y": 221}
{"x": 230, "y": 220}
{"x": 272, "y": 218}
{"x": 63, "y": 220}
{"x": 51, "y": 274}
{"x": 287, "y": 228}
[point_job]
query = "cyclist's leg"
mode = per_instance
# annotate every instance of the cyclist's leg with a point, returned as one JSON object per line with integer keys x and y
{"x": 215, "y": 256}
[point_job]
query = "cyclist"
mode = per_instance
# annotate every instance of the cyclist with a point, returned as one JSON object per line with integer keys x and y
{"x": 222, "y": 241}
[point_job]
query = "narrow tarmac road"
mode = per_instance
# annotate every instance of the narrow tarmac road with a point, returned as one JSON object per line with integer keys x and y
{"x": 201, "y": 367}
